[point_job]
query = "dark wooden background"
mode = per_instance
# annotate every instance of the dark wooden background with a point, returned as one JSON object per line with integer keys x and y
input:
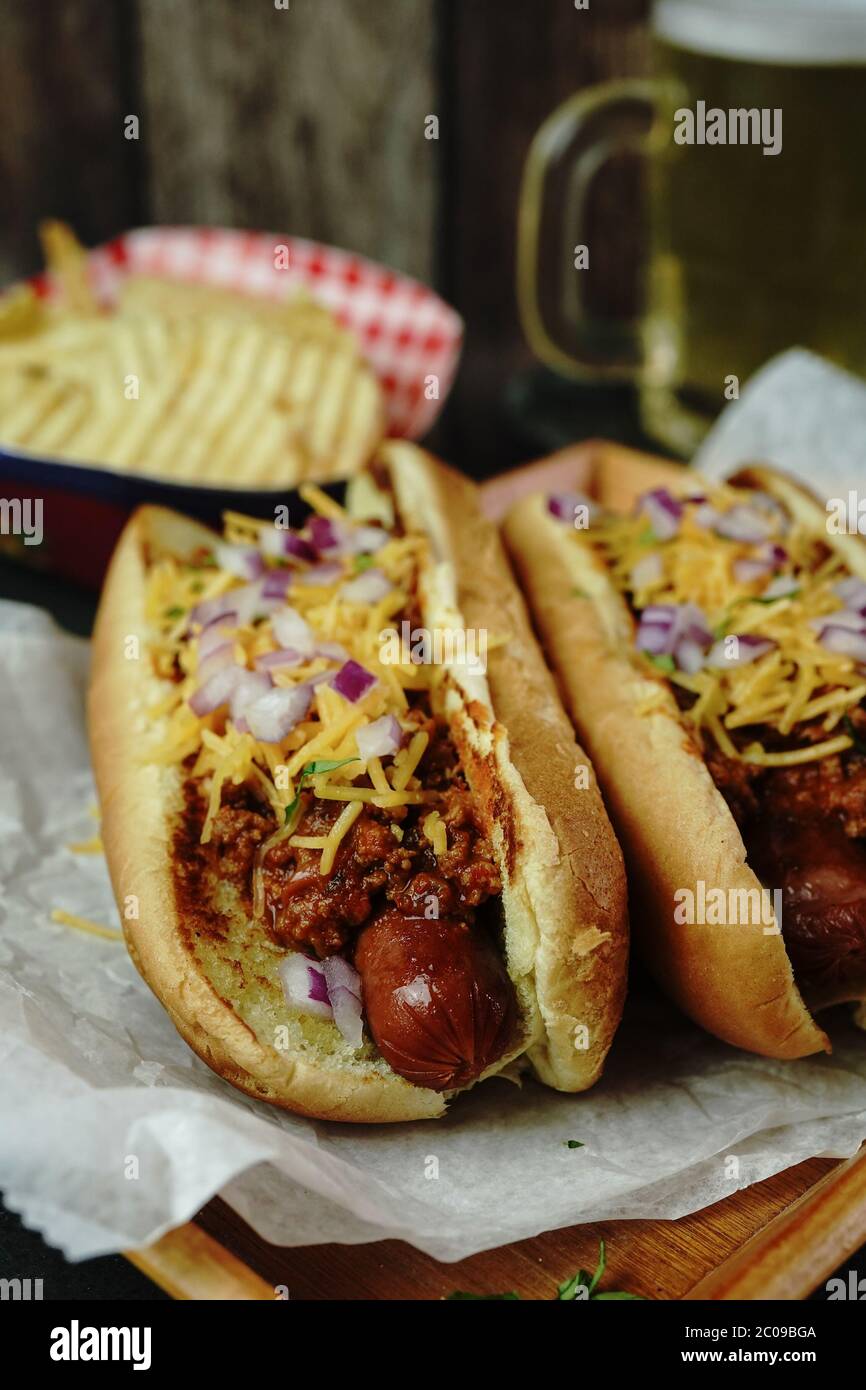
{"x": 309, "y": 120}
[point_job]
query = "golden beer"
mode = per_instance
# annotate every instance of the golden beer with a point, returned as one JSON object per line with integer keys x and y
{"x": 752, "y": 253}
{"x": 756, "y": 177}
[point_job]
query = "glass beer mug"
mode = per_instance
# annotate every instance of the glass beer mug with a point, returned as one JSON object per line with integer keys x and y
{"x": 753, "y": 127}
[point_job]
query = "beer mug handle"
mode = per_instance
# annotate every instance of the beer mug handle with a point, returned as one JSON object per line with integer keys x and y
{"x": 568, "y": 124}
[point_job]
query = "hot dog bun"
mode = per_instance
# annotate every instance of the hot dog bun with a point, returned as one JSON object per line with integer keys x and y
{"x": 565, "y": 933}
{"x": 674, "y": 825}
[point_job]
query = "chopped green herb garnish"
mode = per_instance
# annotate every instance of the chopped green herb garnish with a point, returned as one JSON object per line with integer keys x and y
{"x": 362, "y": 562}
{"x": 310, "y": 770}
{"x": 579, "y": 593}
{"x": 848, "y": 726}
{"x": 568, "y": 1292}
{"x": 581, "y": 1280}
{"x": 774, "y": 598}
{"x": 662, "y": 663}
{"x": 174, "y": 612}
{"x": 648, "y": 537}
{"x": 574, "y": 1144}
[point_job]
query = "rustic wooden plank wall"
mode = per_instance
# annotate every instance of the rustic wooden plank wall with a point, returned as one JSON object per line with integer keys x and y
{"x": 307, "y": 119}
{"x": 514, "y": 63}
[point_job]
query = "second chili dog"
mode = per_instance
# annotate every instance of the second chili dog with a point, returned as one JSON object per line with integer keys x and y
{"x": 711, "y": 639}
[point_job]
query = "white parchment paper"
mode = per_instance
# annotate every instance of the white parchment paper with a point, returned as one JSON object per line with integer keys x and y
{"x": 799, "y": 413}
{"x": 93, "y": 1074}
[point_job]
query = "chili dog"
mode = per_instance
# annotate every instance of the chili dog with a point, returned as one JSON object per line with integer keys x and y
{"x": 363, "y": 879}
{"x": 711, "y": 645}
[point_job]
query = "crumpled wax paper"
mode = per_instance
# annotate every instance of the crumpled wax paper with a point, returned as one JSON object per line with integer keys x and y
{"x": 92, "y": 1073}
{"x": 799, "y": 413}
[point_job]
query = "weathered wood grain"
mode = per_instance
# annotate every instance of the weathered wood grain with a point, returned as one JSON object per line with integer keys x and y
{"x": 656, "y": 1259}
{"x": 514, "y": 63}
{"x": 308, "y": 119}
{"x": 63, "y": 92}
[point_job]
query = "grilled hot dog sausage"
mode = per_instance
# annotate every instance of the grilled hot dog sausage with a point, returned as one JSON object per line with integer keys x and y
{"x": 438, "y": 1000}
{"x": 822, "y": 874}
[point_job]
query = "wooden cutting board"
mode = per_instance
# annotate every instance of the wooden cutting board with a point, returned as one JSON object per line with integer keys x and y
{"x": 778, "y": 1239}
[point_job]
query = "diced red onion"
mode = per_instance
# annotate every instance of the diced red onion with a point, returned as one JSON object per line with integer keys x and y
{"x": 339, "y": 974}
{"x": 348, "y": 1015}
{"x": 304, "y": 985}
{"x": 211, "y": 610}
{"x": 689, "y": 656}
{"x": 249, "y": 687}
{"x": 781, "y": 586}
{"x": 326, "y": 536}
{"x": 251, "y": 602}
{"x": 276, "y": 583}
{"x": 843, "y": 617}
{"x": 564, "y": 505}
{"x": 296, "y": 548}
{"x": 660, "y": 612}
{"x": 647, "y": 571}
{"x": 654, "y": 638}
{"x": 275, "y": 714}
{"x": 749, "y": 648}
{"x": 214, "y": 635}
{"x": 765, "y": 559}
{"x": 769, "y": 506}
{"x": 216, "y": 691}
{"x": 775, "y": 552}
{"x": 366, "y": 540}
{"x": 283, "y": 544}
{"x": 318, "y": 679}
{"x": 344, "y": 991}
{"x": 284, "y": 657}
{"x": 320, "y": 574}
{"x": 331, "y": 651}
{"x": 215, "y": 660}
{"x": 742, "y": 523}
{"x": 693, "y": 640}
{"x": 852, "y": 592}
{"x": 706, "y": 516}
{"x": 243, "y": 560}
{"x": 379, "y": 739}
{"x": 663, "y": 511}
{"x": 693, "y": 627}
{"x": 674, "y": 629}
{"x": 369, "y": 587}
{"x": 845, "y": 641}
{"x": 748, "y": 568}
{"x": 352, "y": 681}
{"x": 291, "y": 630}
{"x": 242, "y": 605}
{"x": 271, "y": 541}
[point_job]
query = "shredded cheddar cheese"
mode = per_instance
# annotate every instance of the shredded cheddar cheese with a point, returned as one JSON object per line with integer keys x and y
{"x": 344, "y": 822}
{"x": 92, "y": 846}
{"x": 68, "y": 919}
{"x": 320, "y": 754}
{"x": 435, "y": 831}
{"x": 796, "y": 680}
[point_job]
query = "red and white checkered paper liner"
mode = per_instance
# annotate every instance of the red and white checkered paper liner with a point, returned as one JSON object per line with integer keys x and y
{"x": 405, "y": 331}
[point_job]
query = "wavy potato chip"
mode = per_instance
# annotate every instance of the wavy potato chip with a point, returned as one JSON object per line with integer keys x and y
{"x": 183, "y": 380}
